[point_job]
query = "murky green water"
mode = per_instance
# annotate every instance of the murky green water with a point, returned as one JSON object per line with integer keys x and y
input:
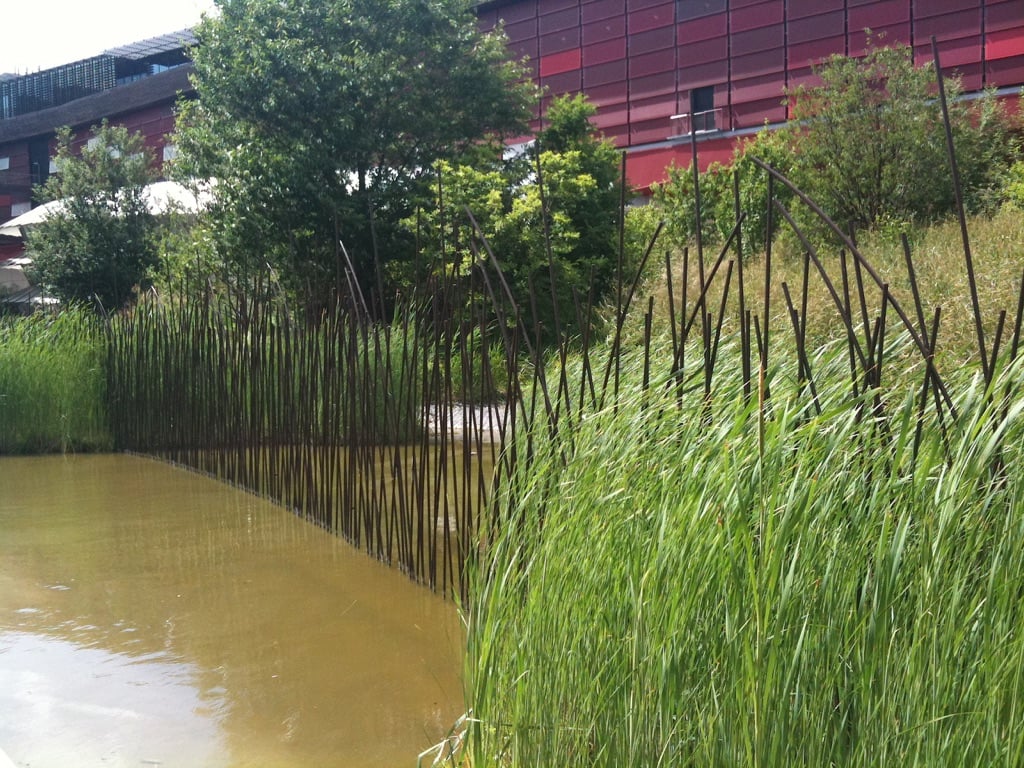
{"x": 150, "y": 616}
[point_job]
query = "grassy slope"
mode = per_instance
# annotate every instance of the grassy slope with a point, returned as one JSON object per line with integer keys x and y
{"x": 705, "y": 593}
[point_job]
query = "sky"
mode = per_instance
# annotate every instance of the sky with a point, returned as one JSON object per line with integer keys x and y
{"x": 38, "y": 34}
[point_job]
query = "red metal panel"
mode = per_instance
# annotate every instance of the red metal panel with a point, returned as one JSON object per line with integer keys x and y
{"x": 1004, "y": 44}
{"x": 879, "y": 14}
{"x": 695, "y": 9}
{"x": 606, "y": 29}
{"x": 798, "y": 9}
{"x": 952, "y": 53}
{"x": 814, "y": 51}
{"x": 554, "y": 22}
{"x": 518, "y": 11}
{"x": 949, "y": 27}
{"x": 521, "y": 30}
{"x": 638, "y": 5}
{"x": 487, "y": 19}
{"x": 617, "y": 134}
{"x": 760, "y": 15}
{"x": 651, "y": 109}
{"x": 551, "y": 6}
{"x": 753, "y": 114}
{"x": 816, "y": 27}
{"x": 565, "y": 82}
{"x": 602, "y": 9}
{"x": 650, "y": 63}
{"x": 661, "y": 84}
{"x": 528, "y": 48}
{"x": 704, "y": 51}
{"x": 760, "y": 39}
{"x": 972, "y": 76}
{"x": 610, "y": 50}
{"x": 759, "y": 64}
{"x": 610, "y": 116}
{"x": 801, "y": 76}
{"x": 612, "y": 72}
{"x": 652, "y": 40}
{"x": 608, "y": 94}
{"x": 1005, "y": 71}
{"x": 895, "y": 33}
{"x": 651, "y": 18}
{"x": 646, "y": 168}
{"x": 649, "y": 131}
{"x": 766, "y": 87}
{"x": 557, "y": 63}
{"x": 1000, "y": 16}
{"x": 703, "y": 28}
{"x": 707, "y": 73}
{"x": 943, "y": 7}
{"x": 559, "y": 41}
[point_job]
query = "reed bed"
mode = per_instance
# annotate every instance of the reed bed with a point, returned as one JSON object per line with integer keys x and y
{"x": 53, "y": 383}
{"x": 354, "y": 425}
{"x": 799, "y": 586}
{"x": 734, "y": 537}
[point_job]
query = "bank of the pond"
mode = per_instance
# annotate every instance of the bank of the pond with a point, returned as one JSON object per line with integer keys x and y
{"x": 151, "y": 614}
{"x": 53, "y": 384}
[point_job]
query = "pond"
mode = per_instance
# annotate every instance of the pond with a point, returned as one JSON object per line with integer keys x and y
{"x": 153, "y": 616}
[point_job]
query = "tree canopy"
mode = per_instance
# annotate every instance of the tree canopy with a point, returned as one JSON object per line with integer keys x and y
{"x": 550, "y": 215}
{"x": 316, "y": 119}
{"x": 867, "y": 143}
{"x": 100, "y": 243}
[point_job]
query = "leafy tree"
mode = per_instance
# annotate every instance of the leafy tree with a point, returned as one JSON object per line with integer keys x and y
{"x": 869, "y": 142}
{"x": 551, "y": 217}
{"x": 101, "y": 242}
{"x": 676, "y": 200}
{"x": 318, "y": 119}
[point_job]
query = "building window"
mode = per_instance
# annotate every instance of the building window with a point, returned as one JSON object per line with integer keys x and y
{"x": 702, "y": 117}
{"x": 5, "y": 163}
{"x": 702, "y": 109}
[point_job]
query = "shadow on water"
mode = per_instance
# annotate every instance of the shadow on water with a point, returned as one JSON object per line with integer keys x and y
{"x": 152, "y": 616}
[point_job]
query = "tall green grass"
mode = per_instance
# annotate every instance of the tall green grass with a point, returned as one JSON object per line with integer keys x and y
{"x": 52, "y": 383}
{"x": 748, "y": 587}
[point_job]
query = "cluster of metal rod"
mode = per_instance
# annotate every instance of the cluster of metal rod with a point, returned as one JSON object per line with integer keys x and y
{"x": 356, "y": 426}
{"x": 370, "y": 431}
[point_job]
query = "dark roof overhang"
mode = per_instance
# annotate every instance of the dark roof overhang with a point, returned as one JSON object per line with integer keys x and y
{"x": 161, "y": 88}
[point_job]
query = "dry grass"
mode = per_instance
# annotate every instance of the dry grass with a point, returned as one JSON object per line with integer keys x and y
{"x": 997, "y": 245}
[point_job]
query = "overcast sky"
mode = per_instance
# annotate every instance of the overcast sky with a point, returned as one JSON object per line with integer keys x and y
{"x": 38, "y": 34}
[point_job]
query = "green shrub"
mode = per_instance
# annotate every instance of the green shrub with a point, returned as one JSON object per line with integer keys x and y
{"x": 868, "y": 145}
{"x": 53, "y": 383}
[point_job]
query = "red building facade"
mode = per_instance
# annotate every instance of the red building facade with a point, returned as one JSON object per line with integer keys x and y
{"x": 136, "y": 86}
{"x": 657, "y": 69}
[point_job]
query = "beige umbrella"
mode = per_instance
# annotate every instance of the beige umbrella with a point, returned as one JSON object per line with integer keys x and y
{"x": 14, "y": 227}
{"x": 162, "y": 197}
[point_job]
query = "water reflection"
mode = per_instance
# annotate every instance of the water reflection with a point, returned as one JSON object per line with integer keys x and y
{"x": 155, "y": 615}
{"x": 80, "y": 706}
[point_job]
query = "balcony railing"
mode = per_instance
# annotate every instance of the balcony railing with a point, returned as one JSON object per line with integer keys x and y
{"x": 696, "y": 122}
